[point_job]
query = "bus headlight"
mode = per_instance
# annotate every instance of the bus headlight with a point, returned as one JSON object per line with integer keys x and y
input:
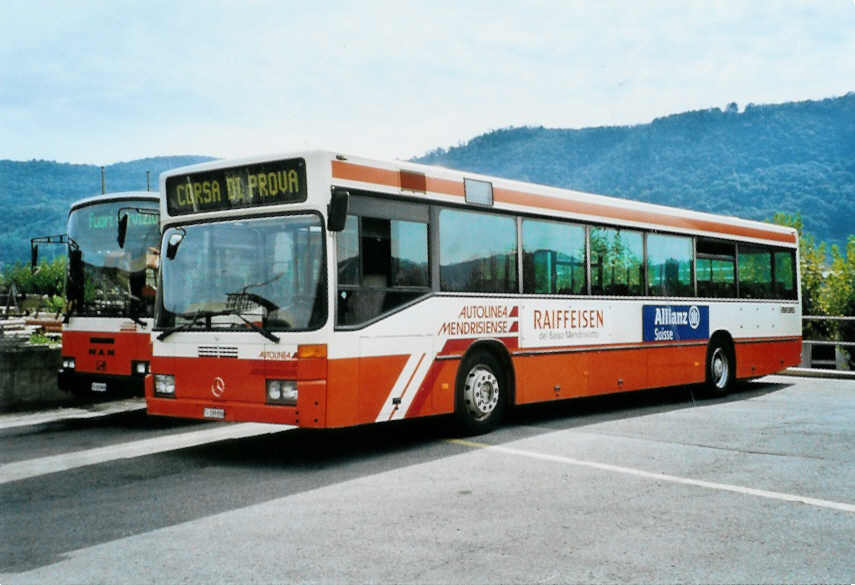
{"x": 282, "y": 392}
{"x": 164, "y": 385}
{"x": 68, "y": 363}
{"x": 139, "y": 368}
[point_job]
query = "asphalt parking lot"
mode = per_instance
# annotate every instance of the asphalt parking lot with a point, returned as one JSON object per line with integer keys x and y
{"x": 652, "y": 487}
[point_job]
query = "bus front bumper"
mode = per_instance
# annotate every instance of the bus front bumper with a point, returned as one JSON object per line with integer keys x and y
{"x": 87, "y": 383}
{"x": 309, "y": 411}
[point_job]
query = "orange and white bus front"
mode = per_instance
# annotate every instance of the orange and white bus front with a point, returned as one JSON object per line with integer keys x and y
{"x": 238, "y": 333}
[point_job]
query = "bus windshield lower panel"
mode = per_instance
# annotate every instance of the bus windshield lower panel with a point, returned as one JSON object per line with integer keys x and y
{"x": 266, "y": 272}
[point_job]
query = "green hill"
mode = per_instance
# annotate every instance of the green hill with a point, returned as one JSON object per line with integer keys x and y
{"x": 792, "y": 157}
{"x": 36, "y": 194}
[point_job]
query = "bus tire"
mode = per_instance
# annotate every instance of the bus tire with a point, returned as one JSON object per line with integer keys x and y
{"x": 720, "y": 368}
{"x": 481, "y": 394}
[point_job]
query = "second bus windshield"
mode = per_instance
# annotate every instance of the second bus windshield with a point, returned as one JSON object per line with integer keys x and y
{"x": 115, "y": 278}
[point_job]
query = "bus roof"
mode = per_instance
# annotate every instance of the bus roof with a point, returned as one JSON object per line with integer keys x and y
{"x": 440, "y": 184}
{"x": 118, "y": 196}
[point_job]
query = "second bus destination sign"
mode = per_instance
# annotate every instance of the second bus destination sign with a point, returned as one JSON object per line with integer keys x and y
{"x": 269, "y": 183}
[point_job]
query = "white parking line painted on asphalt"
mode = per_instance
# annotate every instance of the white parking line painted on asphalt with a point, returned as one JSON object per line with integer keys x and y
{"x": 843, "y": 507}
{"x": 11, "y": 421}
{"x": 34, "y": 467}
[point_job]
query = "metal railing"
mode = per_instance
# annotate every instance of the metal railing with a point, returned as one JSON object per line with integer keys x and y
{"x": 840, "y": 360}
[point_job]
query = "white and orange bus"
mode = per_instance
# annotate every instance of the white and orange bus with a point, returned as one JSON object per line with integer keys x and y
{"x": 324, "y": 290}
{"x": 110, "y": 293}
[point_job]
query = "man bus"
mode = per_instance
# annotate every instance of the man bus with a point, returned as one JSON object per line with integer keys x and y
{"x": 110, "y": 293}
{"x": 324, "y": 290}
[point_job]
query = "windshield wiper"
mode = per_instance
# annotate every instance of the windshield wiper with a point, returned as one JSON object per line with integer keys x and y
{"x": 132, "y": 308}
{"x": 258, "y": 328}
{"x": 136, "y": 320}
{"x": 208, "y": 314}
{"x": 69, "y": 311}
{"x": 186, "y": 326}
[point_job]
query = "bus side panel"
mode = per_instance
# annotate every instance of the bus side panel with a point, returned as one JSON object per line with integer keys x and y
{"x": 359, "y": 388}
{"x": 377, "y": 377}
{"x": 674, "y": 366}
{"x": 758, "y": 358}
{"x": 538, "y": 375}
{"x": 436, "y": 394}
{"x": 618, "y": 371}
{"x": 604, "y": 372}
{"x": 343, "y": 392}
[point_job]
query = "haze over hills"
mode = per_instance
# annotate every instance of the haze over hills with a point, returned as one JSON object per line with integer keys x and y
{"x": 792, "y": 157}
{"x": 797, "y": 157}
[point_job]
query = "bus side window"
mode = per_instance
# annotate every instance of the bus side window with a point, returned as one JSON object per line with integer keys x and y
{"x": 347, "y": 248}
{"x": 716, "y": 268}
{"x": 617, "y": 264}
{"x": 669, "y": 266}
{"x": 785, "y": 275}
{"x": 382, "y": 264}
{"x": 755, "y": 272}
{"x": 477, "y": 252}
{"x": 553, "y": 258}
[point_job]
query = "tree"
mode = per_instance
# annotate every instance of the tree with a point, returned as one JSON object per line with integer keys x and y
{"x": 811, "y": 264}
{"x": 839, "y": 297}
{"x": 49, "y": 279}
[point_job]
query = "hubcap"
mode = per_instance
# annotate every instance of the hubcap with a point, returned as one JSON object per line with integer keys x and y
{"x": 481, "y": 392}
{"x": 719, "y": 368}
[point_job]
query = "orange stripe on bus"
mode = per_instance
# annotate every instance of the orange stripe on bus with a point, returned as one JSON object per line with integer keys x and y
{"x": 392, "y": 178}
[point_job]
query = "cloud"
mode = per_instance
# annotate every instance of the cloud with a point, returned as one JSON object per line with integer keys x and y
{"x": 99, "y": 82}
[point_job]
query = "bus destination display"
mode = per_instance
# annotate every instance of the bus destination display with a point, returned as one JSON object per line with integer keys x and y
{"x": 269, "y": 183}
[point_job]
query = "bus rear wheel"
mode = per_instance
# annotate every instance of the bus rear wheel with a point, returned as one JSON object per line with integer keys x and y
{"x": 481, "y": 393}
{"x": 721, "y": 368}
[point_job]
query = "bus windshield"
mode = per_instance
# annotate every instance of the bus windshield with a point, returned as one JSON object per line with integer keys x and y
{"x": 234, "y": 274}
{"x": 117, "y": 282}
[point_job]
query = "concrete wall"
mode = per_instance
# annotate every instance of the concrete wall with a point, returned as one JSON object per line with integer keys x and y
{"x": 28, "y": 377}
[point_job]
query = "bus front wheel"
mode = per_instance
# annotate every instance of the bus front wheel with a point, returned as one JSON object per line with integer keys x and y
{"x": 481, "y": 393}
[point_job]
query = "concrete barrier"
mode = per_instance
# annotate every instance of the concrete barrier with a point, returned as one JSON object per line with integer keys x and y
{"x": 28, "y": 377}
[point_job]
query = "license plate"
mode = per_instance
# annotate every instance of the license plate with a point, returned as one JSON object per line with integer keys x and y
{"x": 99, "y": 386}
{"x": 214, "y": 413}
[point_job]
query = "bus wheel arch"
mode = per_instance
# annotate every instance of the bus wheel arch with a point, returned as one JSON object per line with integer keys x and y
{"x": 720, "y": 364}
{"x": 484, "y": 387}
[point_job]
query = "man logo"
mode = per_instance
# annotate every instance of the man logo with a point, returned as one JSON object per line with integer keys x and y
{"x": 694, "y": 317}
{"x": 218, "y": 387}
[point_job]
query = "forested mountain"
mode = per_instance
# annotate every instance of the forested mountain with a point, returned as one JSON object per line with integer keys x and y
{"x": 35, "y": 195}
{"x": 793, "y": 157}
{"x": 796, "y": 157}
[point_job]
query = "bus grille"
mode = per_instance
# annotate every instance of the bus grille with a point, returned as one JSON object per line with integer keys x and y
{"x": 218, "y": 351}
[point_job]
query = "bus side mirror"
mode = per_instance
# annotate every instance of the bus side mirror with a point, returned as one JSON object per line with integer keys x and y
{"x": 34, "y": 257}
{"x": 337, "y": 210}
{"x": 172, "y": 245}
{"x": 75, "y": 276}
{"x": 123, "y": 231}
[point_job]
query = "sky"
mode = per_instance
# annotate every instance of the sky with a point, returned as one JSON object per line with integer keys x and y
{"x": 103, "y": 82}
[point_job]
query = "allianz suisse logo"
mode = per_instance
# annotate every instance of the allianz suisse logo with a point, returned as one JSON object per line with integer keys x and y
{"x": 694, "y": 317}
{"x": 675, "y": 322}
